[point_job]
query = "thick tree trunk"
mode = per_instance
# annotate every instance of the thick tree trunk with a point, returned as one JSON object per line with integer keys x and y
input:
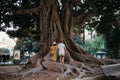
{"x": 54, "y": 29}
{"x": 114, "y": 53}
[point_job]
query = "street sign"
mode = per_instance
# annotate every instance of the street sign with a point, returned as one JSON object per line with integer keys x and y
{"x": 17, "y": 55}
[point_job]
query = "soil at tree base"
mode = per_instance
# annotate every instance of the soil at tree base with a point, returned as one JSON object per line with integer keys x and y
{"x": 5, "y": 74}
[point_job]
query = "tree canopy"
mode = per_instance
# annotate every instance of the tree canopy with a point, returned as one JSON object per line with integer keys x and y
{"x": 27, "y": 18}
{"x": 56, "y": 20}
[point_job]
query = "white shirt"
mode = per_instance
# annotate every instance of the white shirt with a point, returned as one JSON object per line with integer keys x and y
{"x": 61, "y": 48}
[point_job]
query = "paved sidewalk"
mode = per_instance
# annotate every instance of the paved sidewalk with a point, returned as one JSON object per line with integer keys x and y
{"x": 111, "y": 70}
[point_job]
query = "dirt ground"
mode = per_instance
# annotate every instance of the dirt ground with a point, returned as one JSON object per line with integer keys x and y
{"x": 57, "y": 72}
{"x": 8, "y": 69}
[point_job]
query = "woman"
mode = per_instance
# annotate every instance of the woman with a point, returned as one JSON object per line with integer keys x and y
{"x": 53, "y": 51}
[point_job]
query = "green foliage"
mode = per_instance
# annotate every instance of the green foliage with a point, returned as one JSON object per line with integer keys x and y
{"x": 91, "y": 46}
{"x": 105, "y": 19}
{"x": 77, "y": 39}
{"x": 94, "y": 45}
{"x": 26, "y": 44}
{"x": 4, "y": 50}
{"x": 24, "y": 25}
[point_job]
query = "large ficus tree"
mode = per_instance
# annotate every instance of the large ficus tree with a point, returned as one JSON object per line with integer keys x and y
{"x": 51, "y": 20}
{"x": 57, "y": 21}
{"x": 54, "y": 20}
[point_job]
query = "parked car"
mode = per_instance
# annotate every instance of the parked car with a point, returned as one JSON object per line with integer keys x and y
{"x": 102, "y": 54}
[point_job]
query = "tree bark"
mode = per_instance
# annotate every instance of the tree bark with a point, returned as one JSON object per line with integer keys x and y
{"x": 53, "y": 28}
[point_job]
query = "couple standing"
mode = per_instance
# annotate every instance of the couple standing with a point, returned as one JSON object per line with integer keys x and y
{"x": 57, "y": 49}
